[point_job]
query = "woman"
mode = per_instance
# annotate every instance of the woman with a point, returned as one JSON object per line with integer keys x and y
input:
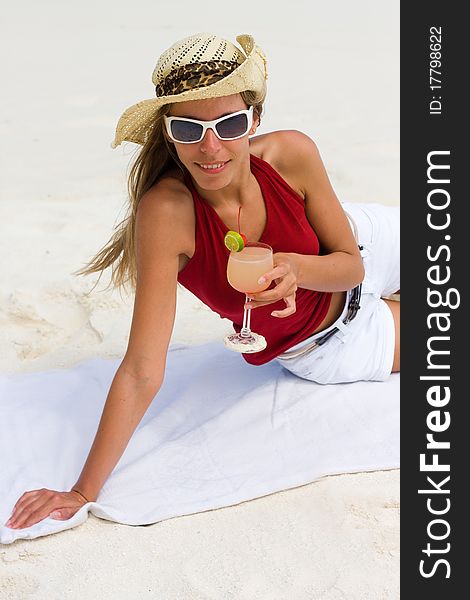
{"x": 197, "y": 176}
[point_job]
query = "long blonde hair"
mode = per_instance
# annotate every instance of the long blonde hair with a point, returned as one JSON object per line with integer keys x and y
{"x": 154, "y": 159}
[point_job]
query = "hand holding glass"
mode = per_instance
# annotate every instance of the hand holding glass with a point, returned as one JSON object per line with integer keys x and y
{"x": 244, "y": 268}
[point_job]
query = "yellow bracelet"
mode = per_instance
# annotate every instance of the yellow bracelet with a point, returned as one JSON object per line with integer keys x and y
{"x": 74, "y": 490}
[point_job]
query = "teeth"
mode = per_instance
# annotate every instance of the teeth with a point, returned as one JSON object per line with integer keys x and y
{"x": 217, "y": 166}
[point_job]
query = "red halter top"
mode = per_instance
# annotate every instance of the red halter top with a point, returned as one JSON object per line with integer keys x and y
{"x": 287, "y": 230}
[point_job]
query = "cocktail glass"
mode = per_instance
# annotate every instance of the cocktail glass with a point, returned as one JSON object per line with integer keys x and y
{"x": 244, "y": 268}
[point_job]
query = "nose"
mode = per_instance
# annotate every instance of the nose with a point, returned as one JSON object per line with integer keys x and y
{"x": 210, "y": 143}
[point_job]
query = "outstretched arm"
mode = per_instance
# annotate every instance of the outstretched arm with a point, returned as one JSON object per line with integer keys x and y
{"x": 142, "y": 370}
{"x": 140, "y": 375}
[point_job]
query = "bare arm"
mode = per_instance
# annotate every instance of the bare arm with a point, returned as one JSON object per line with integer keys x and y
{"x": 341, "y": 268}
{"x": 140, "y": 375}
{"x": 162, "y": 232}
{"x": 127, "y": 401}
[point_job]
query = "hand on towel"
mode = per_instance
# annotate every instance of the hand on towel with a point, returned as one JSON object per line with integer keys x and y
{"x": 36, "y": 505}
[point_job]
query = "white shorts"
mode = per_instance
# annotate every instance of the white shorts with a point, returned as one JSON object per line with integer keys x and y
{"x": 363, "y": 349}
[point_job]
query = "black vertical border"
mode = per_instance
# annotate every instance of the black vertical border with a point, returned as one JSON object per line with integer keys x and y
{"x": 421, "y": 133}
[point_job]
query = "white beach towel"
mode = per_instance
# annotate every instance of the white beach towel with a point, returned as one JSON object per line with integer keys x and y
{"x": 218, "y": 433}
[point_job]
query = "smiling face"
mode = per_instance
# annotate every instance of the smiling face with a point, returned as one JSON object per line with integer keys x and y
{"x": 213, "y": 163}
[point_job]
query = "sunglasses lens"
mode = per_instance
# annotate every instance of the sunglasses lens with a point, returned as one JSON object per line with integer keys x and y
{"x": 185, "y": 131}
{"x": 233, "y": 127}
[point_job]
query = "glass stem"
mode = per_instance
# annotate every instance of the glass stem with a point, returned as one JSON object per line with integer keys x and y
{"x": 245, "y": 330}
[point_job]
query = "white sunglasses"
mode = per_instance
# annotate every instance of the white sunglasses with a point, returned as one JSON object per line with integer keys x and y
{"x": 190, "y": 131}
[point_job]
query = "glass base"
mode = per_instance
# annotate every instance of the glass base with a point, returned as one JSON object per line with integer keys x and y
{"x": 245, "y": 344}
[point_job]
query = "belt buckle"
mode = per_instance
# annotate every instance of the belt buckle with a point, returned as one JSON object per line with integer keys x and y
{"x": 354, "y": 304}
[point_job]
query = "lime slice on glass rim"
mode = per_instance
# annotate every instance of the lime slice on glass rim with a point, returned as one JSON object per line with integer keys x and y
{"x": 234, "y": 241}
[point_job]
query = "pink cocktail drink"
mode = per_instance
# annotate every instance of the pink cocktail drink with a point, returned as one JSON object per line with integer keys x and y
{"x": 246, "y": 267}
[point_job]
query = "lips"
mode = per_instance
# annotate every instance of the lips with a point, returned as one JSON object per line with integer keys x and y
{"x": 212, "y": 168}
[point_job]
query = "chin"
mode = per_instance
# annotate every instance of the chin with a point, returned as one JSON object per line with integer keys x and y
{"x": 212, "y": 185}
{"x": 210, "y": 182}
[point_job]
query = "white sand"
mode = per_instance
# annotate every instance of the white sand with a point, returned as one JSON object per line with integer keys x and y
{"x": 71, "y": 70}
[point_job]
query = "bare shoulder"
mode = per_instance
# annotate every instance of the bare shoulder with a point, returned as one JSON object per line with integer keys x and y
{"x": 291, "y": 153}
{"x": 163, "y": 236}
{"x": 166, "y": 211}
{"x": 168, "y": 194}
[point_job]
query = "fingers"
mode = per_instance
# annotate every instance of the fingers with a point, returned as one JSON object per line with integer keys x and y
{"x": 36, "y": 505}
{"x": 63, "y": 514}
{"x": 283, "y": 290}
{"x": 24, "y": 506}
{"x": 286, "y": 286}
{"x": 289, "y": 310}
{"x": 24, "y": 502}
{"x": 28, "y": 517}
{"x": 278, "y": 271}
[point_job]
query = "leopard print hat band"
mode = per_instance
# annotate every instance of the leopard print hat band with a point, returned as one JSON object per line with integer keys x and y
{"x": 193, "y": 76}
{"x": 198, "y": 67}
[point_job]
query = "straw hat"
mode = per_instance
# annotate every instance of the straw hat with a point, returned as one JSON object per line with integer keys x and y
{"x": 198, "y": 67}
